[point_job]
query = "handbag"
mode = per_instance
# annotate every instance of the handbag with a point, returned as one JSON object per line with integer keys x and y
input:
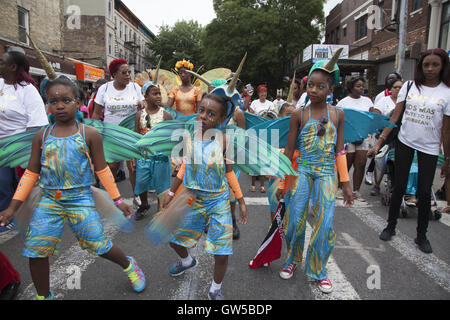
{"x": 394, "y": 133}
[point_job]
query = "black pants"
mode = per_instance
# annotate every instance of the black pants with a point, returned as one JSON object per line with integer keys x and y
{"x": 427, "y": 167}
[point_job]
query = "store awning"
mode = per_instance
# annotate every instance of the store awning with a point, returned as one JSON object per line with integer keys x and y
{"x": 88, "y": 73}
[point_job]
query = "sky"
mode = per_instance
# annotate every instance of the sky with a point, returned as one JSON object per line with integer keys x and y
{"x": 154, "y": 13}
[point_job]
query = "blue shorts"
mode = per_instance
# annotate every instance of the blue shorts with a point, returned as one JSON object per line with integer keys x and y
{"x": 153, "y": 174}
{"x": 77, "y": 207}
{"x": 215, "y": 209}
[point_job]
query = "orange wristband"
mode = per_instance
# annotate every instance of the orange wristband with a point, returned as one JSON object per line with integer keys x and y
{"x": 341, "y": 165}
{"x": 107, "y": 179}
{"x": 26, "y": 183}
{"x": 234, "y": 184}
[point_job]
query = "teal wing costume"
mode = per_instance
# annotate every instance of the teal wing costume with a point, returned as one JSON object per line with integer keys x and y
{"x": 118, "y": 144}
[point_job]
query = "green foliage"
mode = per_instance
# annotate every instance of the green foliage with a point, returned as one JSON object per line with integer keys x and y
{"x": 182, "y": 41}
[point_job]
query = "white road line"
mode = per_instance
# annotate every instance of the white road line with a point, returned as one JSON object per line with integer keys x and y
{"x": 360, "y": 249}
{"x": 431, "y": 265}
{"x": 74, "y": 256}
{"x": 7, "y": 235}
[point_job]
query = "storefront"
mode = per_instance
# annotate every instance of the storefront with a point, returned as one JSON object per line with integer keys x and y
{"x": 87, "y": 75}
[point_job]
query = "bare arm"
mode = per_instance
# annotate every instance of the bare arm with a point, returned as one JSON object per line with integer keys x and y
{"x": 294, "y": 124}
{"x": 98, "y": 111}
{"x": 240, "y": 118}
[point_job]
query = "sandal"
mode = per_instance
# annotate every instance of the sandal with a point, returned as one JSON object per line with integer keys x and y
{"x": 252, "y": 189}
{"x": 262, "y": 190}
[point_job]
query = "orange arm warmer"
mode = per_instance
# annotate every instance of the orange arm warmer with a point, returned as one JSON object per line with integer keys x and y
{"x": 341, "y": 165}
{"x": 180, "y": 174}
{"x": 26, "y": 183}
{"x": 234, "y": 184}
{"x": 107, "y": 179}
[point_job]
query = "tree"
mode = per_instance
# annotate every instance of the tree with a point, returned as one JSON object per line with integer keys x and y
{"x": 182, "y": 41}
{"x": 272, "y": 32}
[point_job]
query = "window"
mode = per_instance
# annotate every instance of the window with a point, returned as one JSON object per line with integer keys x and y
{"x": 344, "y": 31}
{"x": 24, "y": 25}
{"x": 110, "y": 40}
{"x": 126, "y": 31}
{"x": 110, "y": 9}
{"x": 417, "y": 4}
{"x": 337, "y": 35}
{"x": 361, "y": 27}
{"x": 445, "y": 30}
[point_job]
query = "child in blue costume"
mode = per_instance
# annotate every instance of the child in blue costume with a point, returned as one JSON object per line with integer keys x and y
{"x": 318, "y": 133}
{"x": 205, "y": 173}
{"x": 153, "y": 171}
{"x": 62, "y": 156}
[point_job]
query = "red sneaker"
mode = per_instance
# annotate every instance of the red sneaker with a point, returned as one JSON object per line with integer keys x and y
{"x": 287, "y": 273}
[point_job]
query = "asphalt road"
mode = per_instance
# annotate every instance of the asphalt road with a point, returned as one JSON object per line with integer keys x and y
{"x": 361, "y": 266}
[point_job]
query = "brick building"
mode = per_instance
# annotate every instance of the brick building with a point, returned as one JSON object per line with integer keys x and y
{"x": 370, "y": 28}
{"x": 42, "y": 20}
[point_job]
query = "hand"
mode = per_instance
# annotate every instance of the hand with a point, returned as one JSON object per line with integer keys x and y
{"x": 243, "y": 213}
{"x": 126, "y": 209}
{"x": 141, "y": 105}
{"x": 348, "y": 195}
{"x": 5, "y": 217}
{"x": 167, "y": 200}
{"x": 374, "y": 151}
{"x": 279, "y": 194}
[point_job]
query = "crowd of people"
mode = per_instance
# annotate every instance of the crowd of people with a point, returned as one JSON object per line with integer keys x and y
{"x": 67, "y": 158}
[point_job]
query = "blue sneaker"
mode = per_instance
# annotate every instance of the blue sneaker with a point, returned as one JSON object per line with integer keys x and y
{"x": 136, "y": 275}
{"x": 178, "y": 269}
{"x": 10, "y": 226}
{"x": 50, "y": 297}
{"x": 216, "y": 295}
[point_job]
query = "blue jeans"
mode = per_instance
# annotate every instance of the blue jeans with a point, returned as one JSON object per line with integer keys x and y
{"x": 7, "y": 186}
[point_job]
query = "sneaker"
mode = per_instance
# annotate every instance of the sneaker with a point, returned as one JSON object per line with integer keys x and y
{"x": 387, "y": 234}
{"x": 42, "y": 298}
{"x": 137, "y": 201}
{"x": 424, "y": 245}
{"x": 357, "y": 196}
{"x": 339, "y": 194}
{"x": 10, "y": 291}
{"x": 411, "y": 201}
{"x": 375, "y": 191}
{"x": 252, "y": 189}
{"x": 216, "y": 295}
{"x": 369, "y": 178}
{"x": 136, "y": 275}
{"x": 178, "y": 269}
{"x": 325, "y": 285}
{"x": 142, "y": 212}
{"x": 287, "y": 273}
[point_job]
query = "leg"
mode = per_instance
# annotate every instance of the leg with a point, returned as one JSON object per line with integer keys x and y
{"x": 132, "y": 171}
{"x": 181, "y": 251}
{"x": 40, "y": 274}
{"x": 359, "y": 166}
{"x": 117, "y": 256}
{"x": 403, "y": 159}
{"x": 323, "y": 236}
{"x": 220, "y": 268}
{"x": 262, "y": 180}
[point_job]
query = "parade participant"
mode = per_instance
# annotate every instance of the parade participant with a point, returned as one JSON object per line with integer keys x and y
{"x": 63, "y": 158}
{"x": 116, "y": 100}
{"x": 299, "y": 89}
{"x": 388, "y": 82}
{"x": 319, "y": 131}
{"x": 208, "y": 181}
{"x": 261, "y": 107}
{"x": 279, "y": 100}
{"x": 152, "y": 172}
{"x": 186, "y": 96}
{"x": 425, "y": 114}
{"x": 357, "y": 150}
{"x": 385, "y": 106}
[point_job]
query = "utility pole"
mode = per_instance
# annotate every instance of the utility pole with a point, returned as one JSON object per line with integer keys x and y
{"x": 402, "y": 34}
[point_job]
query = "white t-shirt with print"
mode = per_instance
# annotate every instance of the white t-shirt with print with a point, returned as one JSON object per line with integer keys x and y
{"x": 259, "y": 107}
{"x": 423, "y": 117}
{"x": 20, "y": 108}
{"x": 118, "y": 104}
{"x": 385, "y": 105}
{"x": 362, "y": 104}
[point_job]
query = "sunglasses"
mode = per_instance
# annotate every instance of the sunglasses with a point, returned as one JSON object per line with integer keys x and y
{"x": 321, "y": 129}
{"x": 147, "y": 118}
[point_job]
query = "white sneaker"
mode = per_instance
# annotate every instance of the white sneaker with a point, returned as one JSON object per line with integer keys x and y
{"x": 339, "y": 194}
{"x": 137, "y": 201}
{"x": 325, "y": 285}
{"x": 369, "y": 178}
{"x": 287, "y": 273}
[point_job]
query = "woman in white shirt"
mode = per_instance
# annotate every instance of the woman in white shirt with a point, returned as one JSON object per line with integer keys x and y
{"x": 21, "y": 109}
{"x": 357, "y": 151}
{"x": 426, "y": 117}
{"x": 259, "y": 107}
{"x": 119, "y": 99}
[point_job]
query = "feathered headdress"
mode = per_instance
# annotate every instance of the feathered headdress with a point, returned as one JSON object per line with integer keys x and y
{"x": 184, "y": 64}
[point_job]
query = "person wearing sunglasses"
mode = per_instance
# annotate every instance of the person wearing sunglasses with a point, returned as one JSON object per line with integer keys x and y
{"x": 117, "y": 100}
{"x": 318, "y": 131}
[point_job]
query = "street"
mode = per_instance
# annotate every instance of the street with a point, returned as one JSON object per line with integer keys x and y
{"x": 361, "y": 266}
